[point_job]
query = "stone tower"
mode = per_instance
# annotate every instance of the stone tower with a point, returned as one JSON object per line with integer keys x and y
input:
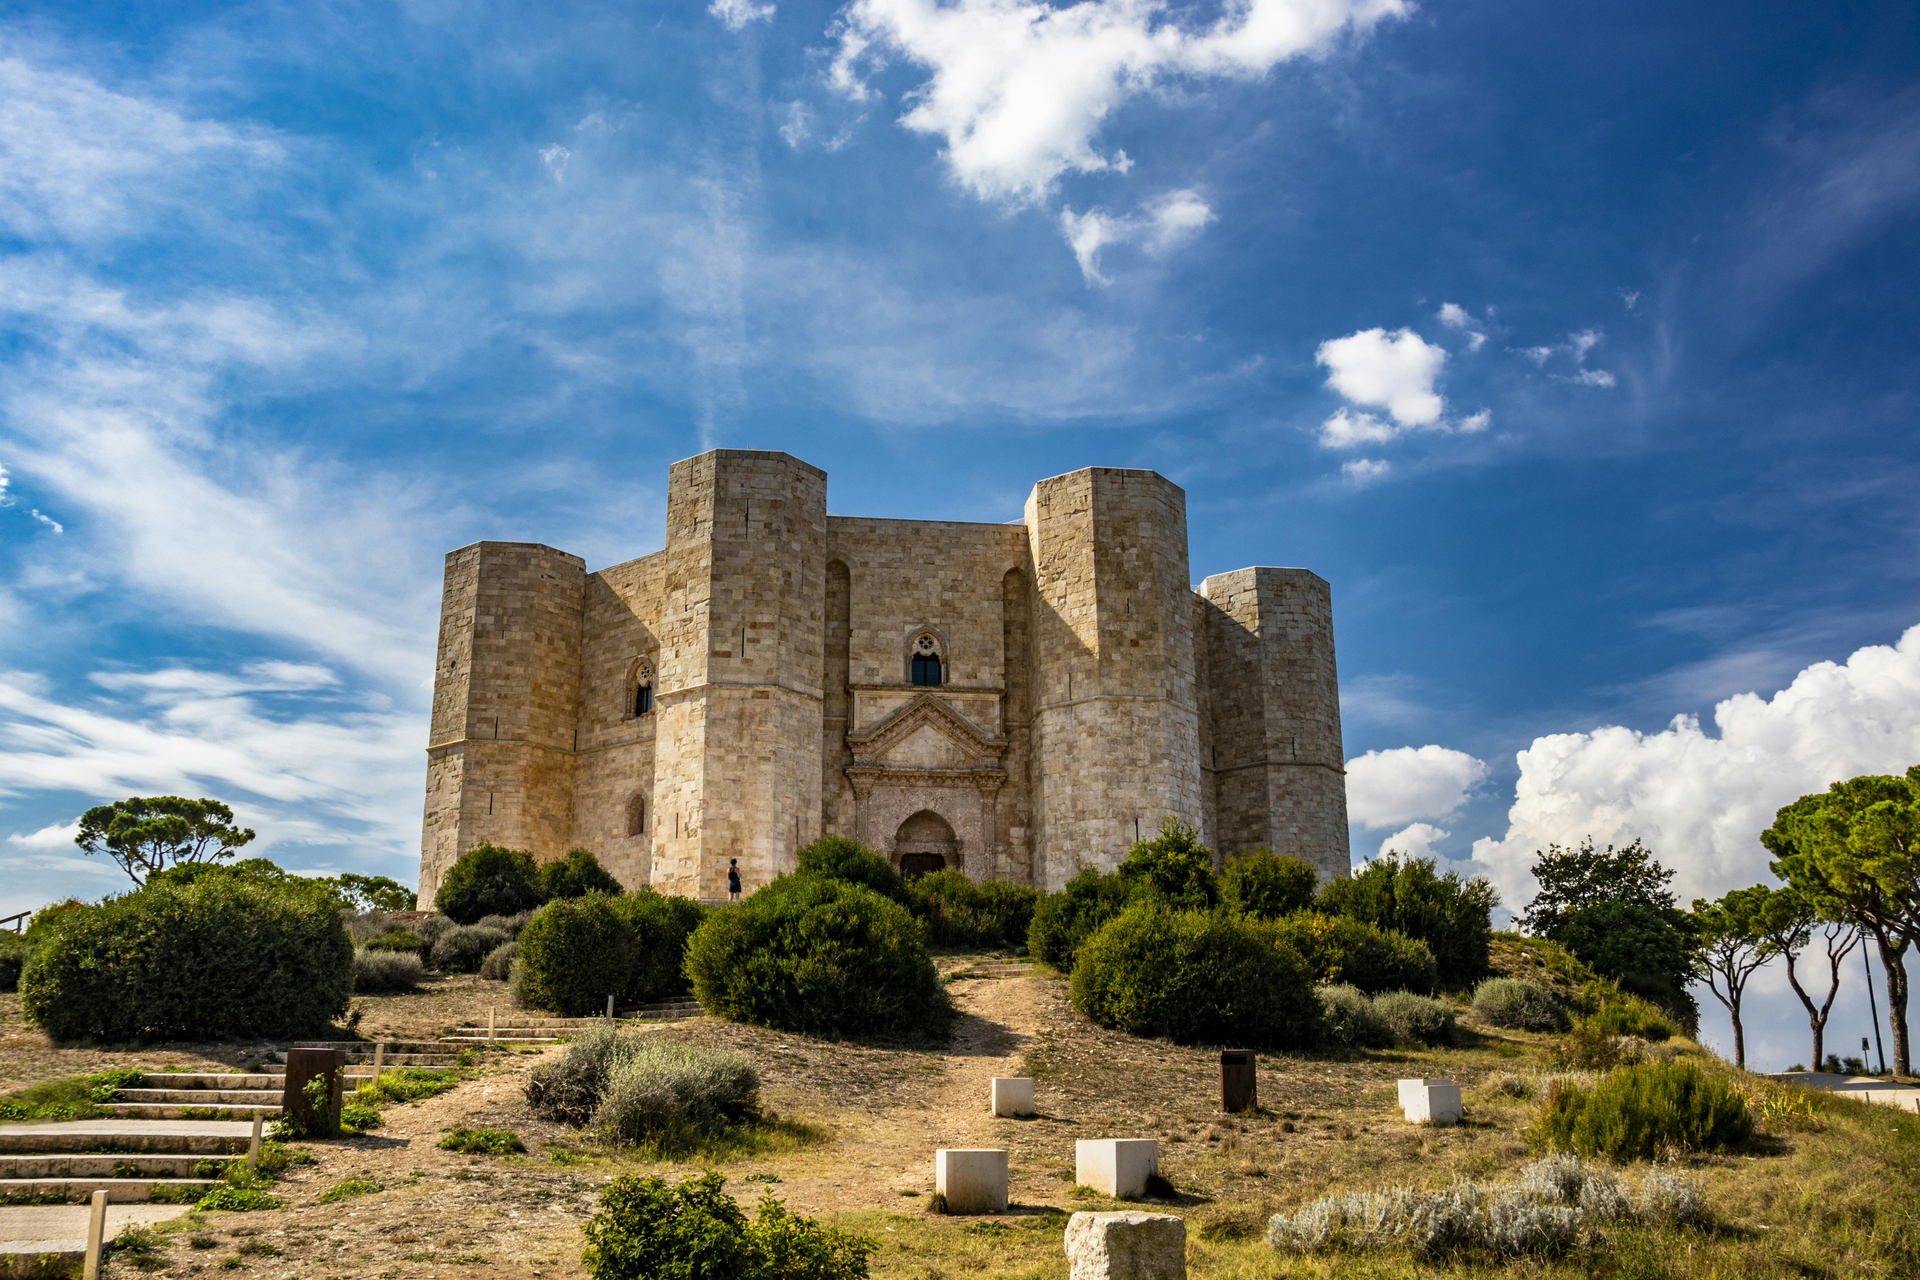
{"x": 1016, "y": 701}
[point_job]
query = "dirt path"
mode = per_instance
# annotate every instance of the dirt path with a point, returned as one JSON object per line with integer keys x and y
{"x": 877, "y": 1157}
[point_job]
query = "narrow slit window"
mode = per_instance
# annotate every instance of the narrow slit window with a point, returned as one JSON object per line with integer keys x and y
{"x": 643, "y": 700}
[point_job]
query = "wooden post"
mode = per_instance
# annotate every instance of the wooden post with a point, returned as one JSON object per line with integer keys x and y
{"x": 489, "y": 1026}
{"x": 609, "y": 1010}
{"x": 379, "y": 1052}
{"x": 96, "y": 1235}
{"x": 253, "y": 1144}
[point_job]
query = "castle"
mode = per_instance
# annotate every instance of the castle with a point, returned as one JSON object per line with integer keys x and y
{"x": 1018, "y": 701}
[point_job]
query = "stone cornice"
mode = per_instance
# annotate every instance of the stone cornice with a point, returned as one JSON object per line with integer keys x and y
{"x": 926, "y": 711}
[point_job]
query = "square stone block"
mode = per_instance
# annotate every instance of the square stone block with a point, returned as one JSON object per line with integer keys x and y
{"x": 973, "y": 1179}
{"x": 1126, "y": 1246}
{"x": 1012, "y": 1097}
{"x": 1430, "y": 1101}
{"x": 1116, "y": 1167}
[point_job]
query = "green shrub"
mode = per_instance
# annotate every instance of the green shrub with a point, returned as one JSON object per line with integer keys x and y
{"x": 46, "y": 921}
{"x": 1062, "y": 921}
{"x": 1175, "y": 866}
{"x": 222, "y": 959}
{"x": 1515, "y": 1002}
{"x": 1631, "y": 1017}
{"x": 1194, "y": 977}
{"x": 509, "y": 925}
{"x": 410, "y": 1084}
{"x": 839, "y": 858}
{"x": 348, "y": 1187}
{"x": 569, "y": 1089}
{"x": 486, "y": 881}
{"x": 358, "y": 1115}
{"x": 498, "y": 966}
{"x": 1416, "y": 1019}
{"x": 236, "y": 1200}
{"x": 666, "y": 1089}
{"x": 13, "y": 956}
{"x": 1636, "y": 1112}
{"x": 575, "y": 953}
{"x": 694, "y": 1231}
{"x": 386, "y": 970}
{"x": 482, "y": 1142}
{"x": 959, "y": 913}
{"x": 431, "y": 928}
{"x": 1349, "y": 1018}
{"x": 817, "y": 956}
{"x": 398, "y": 940}
{"x": 1452, "y": 916}
{"x": 1339, "y": 949}
{"x": 660, "y": 925}
{"x": 461, "y": 950}
{"x": 575, "y": 876}
{"x": 1263, "y": 884}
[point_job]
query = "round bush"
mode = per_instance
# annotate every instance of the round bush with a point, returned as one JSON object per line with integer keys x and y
{"x": 575, "y": 954}
{"x": 838, "y": 858}
{"x": 817, "y": 956}
{"x": 1194, "y": 977}
{"x": 375, "y": 970}
{"x": 1173, "y": 866}
{"x": 223, "y": 958}
{"x": 668, "y": 1090}
{"x": 509, "y": 925}
{"x": 575, "y": 876}
{"x": 1450, "y": 915}
{"x": 1635, "y": 1112}
{"x": 660, "y": 925}
{"x": 1350, "y": 1018}
{"x": 432, "y": 927}
{"x": 488, "y": 881}
{"x": 1416, "y": 1019}
{"x": 397, "y": 940}
{"x": 1632, "y": 1017}
{"x": 1064, "y": 920}
{"x": 1339, "y": 949}
{"x": 959, "y": 913}
{"x": 1263, "y": 884}
{"x": 1517, "y": 1003}
{"x": 498, "y": 966}
{"x": 461, "y": 950}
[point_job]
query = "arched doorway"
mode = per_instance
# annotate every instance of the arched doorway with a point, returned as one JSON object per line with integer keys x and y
{"x": 924, "y": 843}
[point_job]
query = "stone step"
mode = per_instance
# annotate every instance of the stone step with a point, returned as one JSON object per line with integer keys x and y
{"x": 439, "y": 1059}
{"x": 358, "y": 1047}
{"x": 501, "y": 1037}
{"x": 119, "y": 1190}
{"x": 179, "y": 1111}
{"x": 121, "y": 1135}
{"x": 274, "y": 1081}
{"x": 205, "y": 1097}
{"x": 48, "y": 1240}
{"x": 65, "y": 1164}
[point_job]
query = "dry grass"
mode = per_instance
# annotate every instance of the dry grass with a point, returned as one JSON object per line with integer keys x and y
{"x": 1825, "y": 1191}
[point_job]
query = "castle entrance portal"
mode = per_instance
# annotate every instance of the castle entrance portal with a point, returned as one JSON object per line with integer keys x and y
{"x": 925, "y": 842}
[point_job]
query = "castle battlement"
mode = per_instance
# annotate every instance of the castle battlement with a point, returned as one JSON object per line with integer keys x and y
{"x": 1018, "y": 701}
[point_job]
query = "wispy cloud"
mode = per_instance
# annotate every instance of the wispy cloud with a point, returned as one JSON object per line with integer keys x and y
{"x": 1165, "y": 222}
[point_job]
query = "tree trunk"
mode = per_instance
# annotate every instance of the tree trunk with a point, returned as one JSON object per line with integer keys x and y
{"x": 1894, "y": 962}
{"x": 1739, "y": 1036}
{"x": 1819, "y": 1042}
{"x": 1814, "y": 1015}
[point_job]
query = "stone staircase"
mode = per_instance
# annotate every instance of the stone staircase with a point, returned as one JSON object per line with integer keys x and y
{"x": 131, "y": 1159}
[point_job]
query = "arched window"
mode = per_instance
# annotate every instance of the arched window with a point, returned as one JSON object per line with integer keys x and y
{"x": 636, "y": 815}
{"x": 640, "y": 700}
{"x": 926, "y": 661}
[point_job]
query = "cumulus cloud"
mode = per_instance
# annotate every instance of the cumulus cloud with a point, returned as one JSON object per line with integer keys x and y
{"x": 1415, "y": 841}
{"x": 1362, "y": 472}
{"x": 1019, "y": 90}
{"x": 1391, "y": 371}
{"x": 1163, "y": 223}
{"x": 1455, "y": 316}
{"x": 1395, "y": 787}
{"x": 1700, "y": 801}
{"x": 736, "y": 14}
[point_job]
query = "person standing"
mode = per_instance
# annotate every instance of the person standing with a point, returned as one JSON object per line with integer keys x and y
{"x": 733, "y": 879}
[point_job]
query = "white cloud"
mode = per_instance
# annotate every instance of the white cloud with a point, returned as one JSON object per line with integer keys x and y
{"x": 1164, "y": 223}
{"x": 1019, "y": 90}
{"x": 56, "y": 836}
{"x": 48, "y": 521}
{"x": 1455, "y": 316}
{"x": 736, "y": 14}
{"x": 1700, "y": 802}
{"x": 1592, "y": 378}
{"x": 1577, "y": 345}
{"x": 799, "y": 124}
{"x": 555, "y": 159}
{"x": 1391, "y": 788}
{"x": 1362, "y": 472}
{"x": 1395, "y": 372}
{"x": 1539, "y": 355}
{"x": 1344, "y": 429}
{"x": 1415, "y": 841}
{"x": 1582, "y": 342}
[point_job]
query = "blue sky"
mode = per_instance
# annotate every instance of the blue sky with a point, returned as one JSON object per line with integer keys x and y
{"x": 1574, "y": 345}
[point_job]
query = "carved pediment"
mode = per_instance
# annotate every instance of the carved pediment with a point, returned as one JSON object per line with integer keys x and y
{"x": 926, "y": 733}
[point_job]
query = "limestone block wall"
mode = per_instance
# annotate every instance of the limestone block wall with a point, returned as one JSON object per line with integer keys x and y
{"x": 1115, "y": 735}
{"x": 506, "y": 690}
{"x": 742, "y": 654}
{"x": 1280, "y": 777}
{"x": 615, "y": 752}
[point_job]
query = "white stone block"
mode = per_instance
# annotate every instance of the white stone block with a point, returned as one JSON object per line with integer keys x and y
{"x": 973, "y": 1179}
{"x": 1126, "y": 1246}
{"x": 1012, "y": 1097}
{"x": 1430, "y": 1101}
{"x": 1116, "y": 1167}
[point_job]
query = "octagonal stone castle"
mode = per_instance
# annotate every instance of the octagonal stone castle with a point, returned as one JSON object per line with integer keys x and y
{"x": 1018, "y": 701}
